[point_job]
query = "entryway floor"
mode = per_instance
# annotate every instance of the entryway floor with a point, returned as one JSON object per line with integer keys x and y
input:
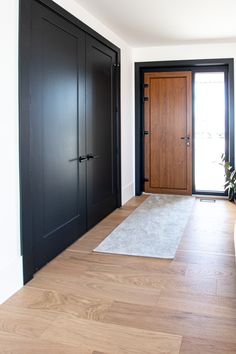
{"x": 88, "y": 303}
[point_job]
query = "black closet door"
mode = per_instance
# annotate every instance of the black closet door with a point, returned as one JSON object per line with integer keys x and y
{"x": 57, "y": 134}
{"x": 100, "y": 131}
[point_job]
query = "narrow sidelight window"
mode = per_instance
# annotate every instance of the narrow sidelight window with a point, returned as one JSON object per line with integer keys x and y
{"x": 210, "y": 130}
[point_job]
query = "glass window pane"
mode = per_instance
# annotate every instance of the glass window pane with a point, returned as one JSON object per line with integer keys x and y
{"x": 209, "y": 129}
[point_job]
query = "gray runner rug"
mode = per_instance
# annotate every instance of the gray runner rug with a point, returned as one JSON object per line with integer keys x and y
{"x": 154, "y": 229}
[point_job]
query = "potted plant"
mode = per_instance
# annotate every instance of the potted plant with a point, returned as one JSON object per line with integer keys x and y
{"x": 230, "y": 178}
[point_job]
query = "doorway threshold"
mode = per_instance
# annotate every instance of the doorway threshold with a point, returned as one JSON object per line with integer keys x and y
{"x": 207, "y": 197}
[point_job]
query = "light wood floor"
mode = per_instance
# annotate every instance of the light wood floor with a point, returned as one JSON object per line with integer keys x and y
{"x": 88, "y": 303}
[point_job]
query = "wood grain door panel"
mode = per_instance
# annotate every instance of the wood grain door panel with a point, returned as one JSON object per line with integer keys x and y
{"x": 168, "y": 153}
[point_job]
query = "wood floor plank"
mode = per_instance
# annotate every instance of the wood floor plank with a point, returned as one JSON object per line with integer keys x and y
{"x": 172, "y": 321}
{"x": 205, "y": 305}
{"x": 134, "y": 262}
{"x": 83, "y": 263}
{"x": 97, "y": 289}
{"x": 202, "y": 346}
{"x": 140, "y": 280}
{"x": 17, "y": 344}
{"x": 29, "y": 323}
{"x": 211, "y": 245}
{"x": 210, "y": 231}
{"x": 227, "y": 287}
{"x": 103, "y": 337}
{"x": 163, "y": 276}
{"x": 205, "y": 258}
{"x": 24, "y": 298}
{"x": 57, "y": 303}
{"x": 211, "y": 271}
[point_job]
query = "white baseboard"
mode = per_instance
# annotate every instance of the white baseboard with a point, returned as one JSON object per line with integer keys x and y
{"x": 127, "y": 193}
{"x": 11, "y": 279}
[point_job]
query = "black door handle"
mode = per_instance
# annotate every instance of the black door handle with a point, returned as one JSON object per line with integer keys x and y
{"x": 91, "y": 156}
{"x": 80, "y": 159}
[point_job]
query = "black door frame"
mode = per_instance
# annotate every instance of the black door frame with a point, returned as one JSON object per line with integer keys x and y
{"x": 25, "y": 19}
{"x": 177, "y": 65}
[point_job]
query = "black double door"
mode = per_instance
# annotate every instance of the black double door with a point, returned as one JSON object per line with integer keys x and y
{"x": 73, "y": 176}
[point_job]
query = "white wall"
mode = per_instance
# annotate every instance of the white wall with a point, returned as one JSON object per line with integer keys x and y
{"x": 127, "y": 94}
{"x": 182, "y": 52}
{"x": 10, "y": 259}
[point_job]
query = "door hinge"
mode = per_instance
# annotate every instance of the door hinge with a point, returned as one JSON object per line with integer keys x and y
{"x": 145, "y": 85}
{"x": 146, "y": 132}
{"x": 146, "y": 179}
{"x": 145, "y": 99}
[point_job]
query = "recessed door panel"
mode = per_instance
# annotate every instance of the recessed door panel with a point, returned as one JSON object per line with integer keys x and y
{"x": 100, "y": 130}
{"x": 59, "y": 127}
{"x": 57, "y": 136}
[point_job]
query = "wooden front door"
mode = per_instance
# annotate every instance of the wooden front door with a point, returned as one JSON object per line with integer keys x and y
{"x": 168, "y": 132}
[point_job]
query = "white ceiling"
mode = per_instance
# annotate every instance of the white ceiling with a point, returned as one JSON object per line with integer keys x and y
{"x": 164, "y": 22}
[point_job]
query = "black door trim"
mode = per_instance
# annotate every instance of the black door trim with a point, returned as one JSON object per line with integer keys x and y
{"x": 25, "y": 19}
{"x": 140, "y": 69}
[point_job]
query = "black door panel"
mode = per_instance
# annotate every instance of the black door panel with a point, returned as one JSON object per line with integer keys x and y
{"x": 100, "y": 111}
{"x": 57, "y": 121}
